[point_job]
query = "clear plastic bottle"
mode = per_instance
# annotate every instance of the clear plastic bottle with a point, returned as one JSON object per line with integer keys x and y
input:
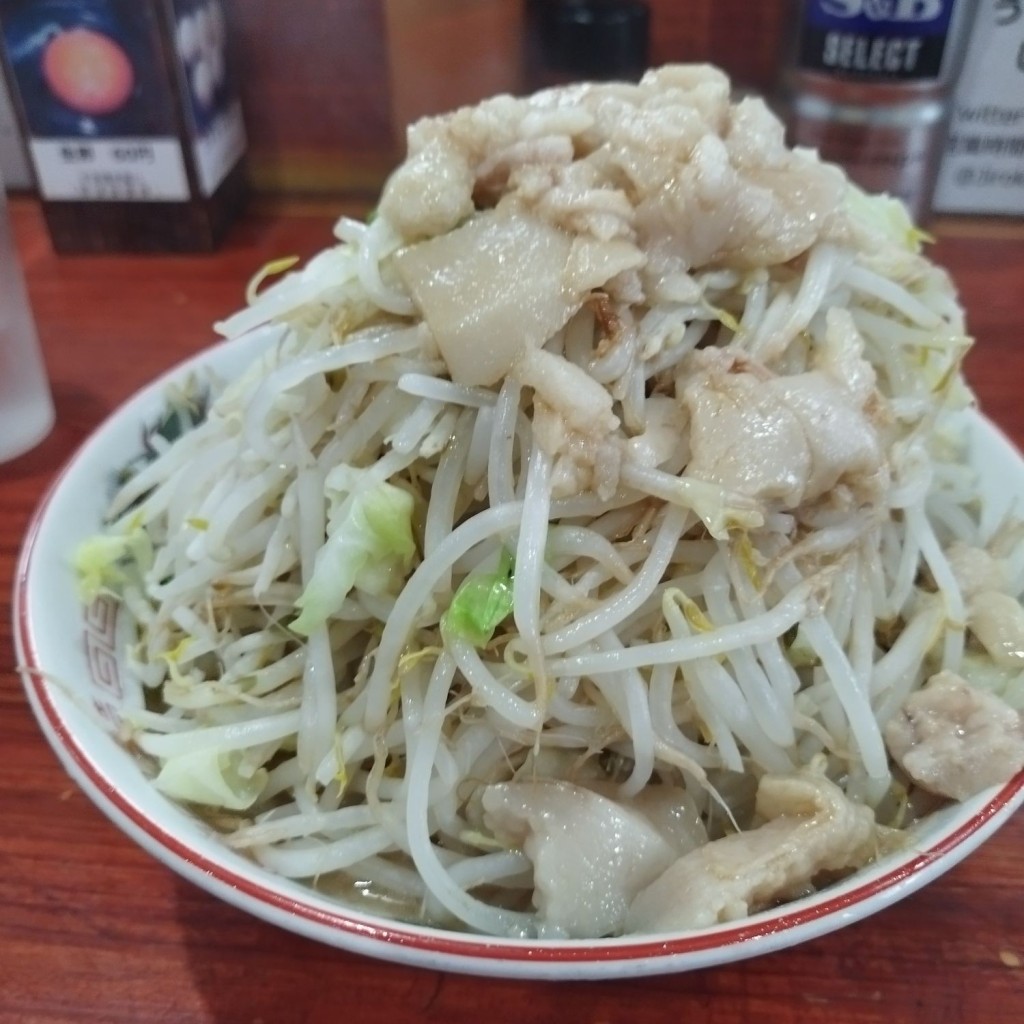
{"x": 868, "y": 84}
{"x": 26, "y": 408}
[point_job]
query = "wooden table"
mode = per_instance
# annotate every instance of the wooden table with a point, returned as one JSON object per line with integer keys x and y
{"x": 93, "y": 929}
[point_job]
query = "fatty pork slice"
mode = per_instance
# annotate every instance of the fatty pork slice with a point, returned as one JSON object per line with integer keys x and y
{"x": 994, "y": 615}
{"x": 811, "y": 827}
{"x": 976, "y": 571}
{"x": 997, "y": 621}
{"x": 430, "y": 193}
{"x": 501, "y": 284}
{"x": 573, "y": 423}
{"x": 955, "y": 740}
{"x": 591, "y": 854}
{"x": 745, "y": 440}
{"x": 786, "y": 440}
{"x": 488, "y": 290}
{"x": 742, "y": 199}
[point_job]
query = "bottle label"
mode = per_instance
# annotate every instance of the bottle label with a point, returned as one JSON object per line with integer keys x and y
{"x": 120, "y": 170}
{"x": 902, "y": 40}
{"x": 983, "y": 166}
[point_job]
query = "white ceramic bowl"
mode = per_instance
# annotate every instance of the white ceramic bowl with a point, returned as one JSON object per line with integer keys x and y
{"x": 75, "y": 677}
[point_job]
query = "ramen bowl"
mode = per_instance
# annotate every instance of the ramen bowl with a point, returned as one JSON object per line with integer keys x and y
{"x": 77, "y": 681}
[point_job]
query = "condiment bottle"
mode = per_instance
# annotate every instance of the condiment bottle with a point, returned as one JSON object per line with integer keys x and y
{"x": 573, "y": 40}
{"x": 868, "y": 84}
{"x": 132, "y": 118}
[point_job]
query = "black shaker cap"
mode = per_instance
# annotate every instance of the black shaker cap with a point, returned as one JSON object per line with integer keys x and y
{"x": 601, "y": 39}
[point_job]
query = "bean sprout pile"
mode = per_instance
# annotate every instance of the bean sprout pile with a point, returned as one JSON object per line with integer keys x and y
{"x": 590, "y": 476}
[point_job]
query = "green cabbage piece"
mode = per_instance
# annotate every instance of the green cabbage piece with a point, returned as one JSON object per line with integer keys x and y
{"x": 102, "y": 562}
{"x": 481, "y": 604}
{"x": 886, "y": 215}
{"x": 369, "y": 544}
{"x": 211, "y": 777}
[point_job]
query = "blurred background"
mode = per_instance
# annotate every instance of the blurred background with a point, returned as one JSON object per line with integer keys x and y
{"x": 325, "y": 95}
{"x": 328, "y": 86}
{"x": 326, "y": 109}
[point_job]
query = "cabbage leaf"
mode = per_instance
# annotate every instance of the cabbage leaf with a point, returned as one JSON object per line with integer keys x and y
{"x": 101, "y": 562}
{"x": 211, "y": 777}
{"x": 481, "y": 604}
{"x": 369, "y": 544}
{"x": 888, "y": 216}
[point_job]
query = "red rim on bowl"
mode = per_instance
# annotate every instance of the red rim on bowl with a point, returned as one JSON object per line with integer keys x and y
{"x": 415, "y": 944}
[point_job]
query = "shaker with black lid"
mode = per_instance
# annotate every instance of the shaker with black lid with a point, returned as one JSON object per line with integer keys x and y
{"x": 574, "y": 40}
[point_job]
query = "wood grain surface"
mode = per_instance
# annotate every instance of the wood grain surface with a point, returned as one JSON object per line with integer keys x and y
{"x": 92, "y": 929}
